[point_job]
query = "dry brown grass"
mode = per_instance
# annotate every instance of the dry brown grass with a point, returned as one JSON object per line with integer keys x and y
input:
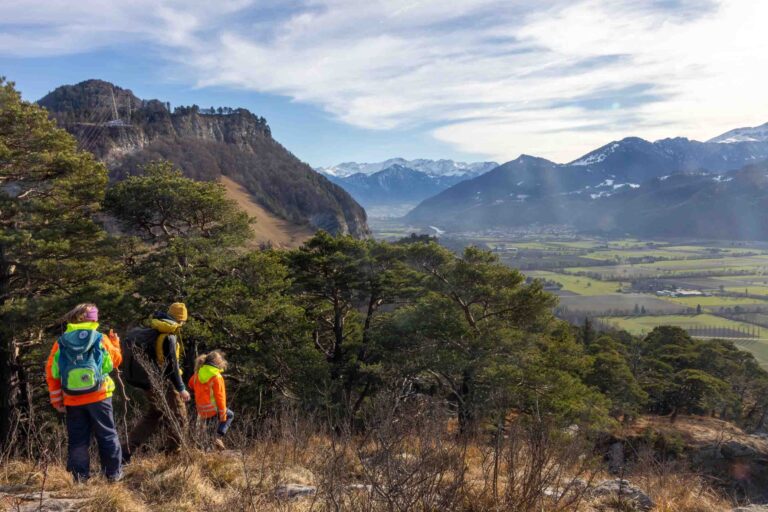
{"x": 114, "y": 498}
{"x": 233, "y": 482}
{"x": 681, "y": 492}
{"x": 24, "y": 475}
{"x": 422, "y": 468}
{"x": 697, "y": 430}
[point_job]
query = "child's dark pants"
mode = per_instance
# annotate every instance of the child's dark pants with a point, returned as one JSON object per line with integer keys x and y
{"x": 82, "y": 422}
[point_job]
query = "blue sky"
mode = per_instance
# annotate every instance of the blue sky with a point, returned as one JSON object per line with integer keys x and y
{"x": 342, "y": 80}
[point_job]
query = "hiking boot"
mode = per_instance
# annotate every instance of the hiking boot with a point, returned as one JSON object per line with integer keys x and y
{"x": 113, "y": 479}
{"x": 219, "y": 444}
{"x": 80, "y": 479}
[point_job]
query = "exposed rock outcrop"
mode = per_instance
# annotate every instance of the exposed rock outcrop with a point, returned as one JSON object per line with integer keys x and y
{"x": 718, "y": 450}
{"x": 207, "y": 144}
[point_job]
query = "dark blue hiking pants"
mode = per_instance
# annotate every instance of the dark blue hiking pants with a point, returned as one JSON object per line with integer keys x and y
{"x": 83, "y": 421}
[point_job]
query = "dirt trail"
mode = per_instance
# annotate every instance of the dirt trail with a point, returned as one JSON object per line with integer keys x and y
{"x": 268, "y": 227}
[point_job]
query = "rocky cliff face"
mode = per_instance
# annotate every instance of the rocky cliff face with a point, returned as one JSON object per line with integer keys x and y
{"x": 125, "y": 132}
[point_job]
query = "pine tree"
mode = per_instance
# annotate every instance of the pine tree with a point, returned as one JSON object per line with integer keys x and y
{"x": 52, "y": 252}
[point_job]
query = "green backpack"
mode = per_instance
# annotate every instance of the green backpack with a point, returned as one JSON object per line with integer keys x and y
{"x": 81, "y": 359}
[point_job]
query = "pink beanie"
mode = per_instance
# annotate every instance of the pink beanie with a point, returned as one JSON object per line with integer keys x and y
{"x": 92, "y": 314}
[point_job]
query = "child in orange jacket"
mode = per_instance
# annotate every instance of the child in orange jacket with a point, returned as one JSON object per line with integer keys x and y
{"x": 210, "y": 392}
{"x": 79, "y": 386}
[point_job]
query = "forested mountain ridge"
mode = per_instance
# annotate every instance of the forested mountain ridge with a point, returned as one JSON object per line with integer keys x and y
{"x": 590, "y": 193}
{"x": 126, "y": 132}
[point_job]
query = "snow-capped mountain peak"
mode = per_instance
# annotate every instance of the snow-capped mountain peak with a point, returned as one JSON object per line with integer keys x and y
{"x": 435, "y": 168}
{"x": 753, "y": 134}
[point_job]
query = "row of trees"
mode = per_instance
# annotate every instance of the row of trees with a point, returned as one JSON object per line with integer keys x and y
{"x": 668, "y": 372}
{"x": 328, "y": 326}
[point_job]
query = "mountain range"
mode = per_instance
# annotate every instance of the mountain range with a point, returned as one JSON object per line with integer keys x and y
{"x": 426, "y": 166}
{"x": 671, "y": 187}
{"x": 233, "y": 146}
{"x": 395, "y": 186}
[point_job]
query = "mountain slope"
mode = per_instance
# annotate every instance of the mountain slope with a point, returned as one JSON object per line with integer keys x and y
{"x": 729, "y": 206}
{"x": 126, "y": 131}
{"x": 532, "y": 190}
{"x": 395, "y": 186}
{"x": 754, "y": 134}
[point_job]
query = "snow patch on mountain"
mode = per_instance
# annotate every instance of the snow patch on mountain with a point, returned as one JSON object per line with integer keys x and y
{"x": 752, "y": 134}
{"x": 597, "y": 156}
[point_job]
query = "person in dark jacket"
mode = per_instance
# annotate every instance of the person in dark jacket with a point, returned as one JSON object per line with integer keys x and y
{"x": 166, "y": 408}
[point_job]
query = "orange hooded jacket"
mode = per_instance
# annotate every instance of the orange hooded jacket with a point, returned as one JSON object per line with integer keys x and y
{"x": 210, "y": 392}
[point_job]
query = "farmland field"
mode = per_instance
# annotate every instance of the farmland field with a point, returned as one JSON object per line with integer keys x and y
{"x": 715, "y": 302}
{"x": 625, "y": 302}
{"x": 747, "y": 290}
{"x": 579, "y": 285}
{"x": 758, "y": 348}
{"x": 616, "y": 281}
{"x": 644, "y": 324}
{"x": 633, "y": 253}
{"x": 711, "y": 266}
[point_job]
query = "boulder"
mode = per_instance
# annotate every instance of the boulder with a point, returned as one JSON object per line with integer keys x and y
{"x": 736, "y": 449}
{"x": 623, "y": 489}
{"x": 291, "y": 491}
{"x": 574, "y": 486}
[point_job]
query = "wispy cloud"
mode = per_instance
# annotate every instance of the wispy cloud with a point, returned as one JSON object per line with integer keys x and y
{"x": 493, "y": 77}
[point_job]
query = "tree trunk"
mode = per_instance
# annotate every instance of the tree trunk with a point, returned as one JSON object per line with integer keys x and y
{"x": 466, "y": 413}
{"x": 9, "y": 392}
{"x": 9, "y": 388}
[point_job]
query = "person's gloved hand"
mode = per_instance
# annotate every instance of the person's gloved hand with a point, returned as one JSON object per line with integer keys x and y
{"x": 185, "y": 395}
{"x": 222, "y": 428}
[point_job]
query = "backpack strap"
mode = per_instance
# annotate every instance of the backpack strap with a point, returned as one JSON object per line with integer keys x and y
{"x": 96, "y": 337}
{"x": 160, "y": 353}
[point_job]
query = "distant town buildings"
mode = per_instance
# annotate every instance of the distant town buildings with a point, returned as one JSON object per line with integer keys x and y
{"x": 680, "y": 292}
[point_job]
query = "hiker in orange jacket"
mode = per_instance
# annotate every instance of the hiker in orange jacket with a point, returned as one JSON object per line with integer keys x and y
{"x": 79, "y": 385}
{"x": 210, "y": 392}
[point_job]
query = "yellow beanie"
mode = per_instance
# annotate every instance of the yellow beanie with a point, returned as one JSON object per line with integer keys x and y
{"x": 178, "y": 311}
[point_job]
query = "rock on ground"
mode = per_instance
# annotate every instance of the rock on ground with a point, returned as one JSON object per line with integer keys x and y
{"x": 34, "y": 502}
{"x": 624, "y": 489}
{"x": 288, "y": 491}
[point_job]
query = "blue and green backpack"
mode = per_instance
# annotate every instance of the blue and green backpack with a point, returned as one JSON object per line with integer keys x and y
{"x": 81, "y": 359}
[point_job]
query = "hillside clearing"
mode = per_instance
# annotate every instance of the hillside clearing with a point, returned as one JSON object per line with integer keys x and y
{"x": 268, "y": 228}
